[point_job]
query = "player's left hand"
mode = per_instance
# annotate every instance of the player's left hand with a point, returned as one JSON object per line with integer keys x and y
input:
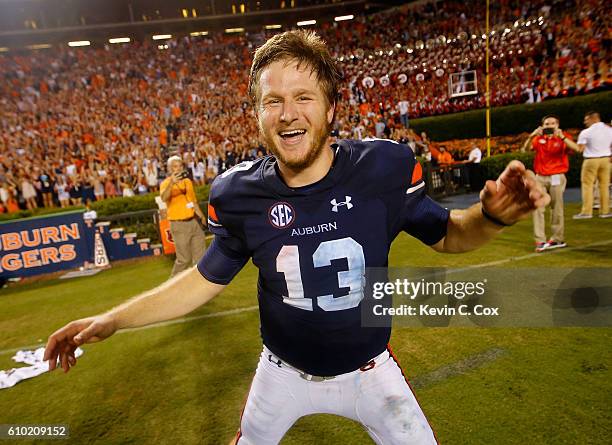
{"x": 204, "y": 220}
{"x": 514, "y": 195}
{"x": 559, "y": 133}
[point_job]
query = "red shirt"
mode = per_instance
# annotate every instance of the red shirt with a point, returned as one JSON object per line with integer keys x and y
{"x": 551, "y": 155}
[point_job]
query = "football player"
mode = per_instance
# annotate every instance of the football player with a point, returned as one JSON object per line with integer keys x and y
{"x": 313, "y": 217}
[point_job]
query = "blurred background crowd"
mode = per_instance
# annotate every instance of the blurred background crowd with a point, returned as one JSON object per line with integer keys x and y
{"x": 80, "y": 125}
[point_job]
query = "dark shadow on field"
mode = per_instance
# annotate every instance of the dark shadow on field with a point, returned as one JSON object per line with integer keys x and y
{"x": 596, "y": 252}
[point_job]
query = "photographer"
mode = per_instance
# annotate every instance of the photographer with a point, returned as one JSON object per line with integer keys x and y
{"x": 550, "y": 164}
{"x": 177, "y": 192}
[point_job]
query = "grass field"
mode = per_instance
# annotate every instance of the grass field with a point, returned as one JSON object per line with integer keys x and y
{"x": 185, "y": 383}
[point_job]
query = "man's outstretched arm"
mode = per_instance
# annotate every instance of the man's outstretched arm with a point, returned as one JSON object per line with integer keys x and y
{"x": 174, "y": 298}
{"x": 504, "y": 202}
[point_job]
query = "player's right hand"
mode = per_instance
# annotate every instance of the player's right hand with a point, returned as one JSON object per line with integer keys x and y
{"x": 63, "y": 342}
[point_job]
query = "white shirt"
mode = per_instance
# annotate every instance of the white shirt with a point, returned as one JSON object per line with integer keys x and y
{"x": 403, "y": 107}
{"x": 198, "y": 170}
{"x": 475, "y": 155}
{"x": 597, "y": 140}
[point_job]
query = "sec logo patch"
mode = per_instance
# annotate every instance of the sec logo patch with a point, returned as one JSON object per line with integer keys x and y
{"x": 281, "y": 215}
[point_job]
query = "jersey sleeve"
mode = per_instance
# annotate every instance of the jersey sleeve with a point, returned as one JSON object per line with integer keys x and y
{"x": 583, "y": 137}
{"x": 422, "y": 217}
{"x": 221, "y": 263}
{"x": 419, "y": 215}
{"x": 228, "y": 252}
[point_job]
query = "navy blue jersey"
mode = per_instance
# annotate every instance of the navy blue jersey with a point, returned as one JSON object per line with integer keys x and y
{"x": 312, "y": 244}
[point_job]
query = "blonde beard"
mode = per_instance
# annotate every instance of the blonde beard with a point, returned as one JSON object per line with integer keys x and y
{"x": 307, "y": 160}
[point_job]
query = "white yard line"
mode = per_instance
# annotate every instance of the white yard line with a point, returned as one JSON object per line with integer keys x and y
{"x": 154, "y": 325}
{"x": 253, "y": 308}
{"x": 530, "y": 255}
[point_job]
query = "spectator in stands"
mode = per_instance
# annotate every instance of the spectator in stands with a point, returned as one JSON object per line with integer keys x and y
{"x": 151, "y": 176}
{"x": 98, "y": 186}
{"x": 126, "y": 184}
{"x": 87, "y": 191}
{"x": 110, "y": 189}
{"x": 445, "y": 159}
{"x": 380, "y": 127}
{"x": 474, "y": 170}
{"x": 185, "y": 96}
{"x": 551, "y": 146}
{"x": 62, "y": 191}
{"x": 28, "y": 192}
{"x": 75, "y": 191}
{"x": 12, "y": 205}
{"x": 403, "y": 106}
{"x": 595, "y": 142}
{"x": 178, "y": 193}
{"x": 46, "y": 187}
{"x": 426, "y": 153}
{"x": 4, "y": 193}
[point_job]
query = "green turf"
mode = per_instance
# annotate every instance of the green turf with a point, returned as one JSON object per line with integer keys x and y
{"x": 186, "y": 383}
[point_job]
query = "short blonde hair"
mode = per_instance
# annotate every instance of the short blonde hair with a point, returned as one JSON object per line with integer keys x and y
{"x": 304, "y": 47}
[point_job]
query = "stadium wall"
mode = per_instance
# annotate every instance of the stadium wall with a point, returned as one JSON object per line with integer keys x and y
{"x": 513, "y": 119}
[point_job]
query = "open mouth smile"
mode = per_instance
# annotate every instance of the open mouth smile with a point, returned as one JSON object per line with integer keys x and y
{"x": 292, "y": 137}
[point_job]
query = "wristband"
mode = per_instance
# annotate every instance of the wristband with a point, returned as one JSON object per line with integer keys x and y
{"x": 493, "y": 219}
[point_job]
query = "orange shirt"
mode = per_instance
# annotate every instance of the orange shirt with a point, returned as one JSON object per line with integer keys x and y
{"x": 12, "y": 205}
{"x": 163, "y": 137}
{"x": 88, "y": 138}
{"x": 445, "y": 158}
{"x": 182, "y": 201}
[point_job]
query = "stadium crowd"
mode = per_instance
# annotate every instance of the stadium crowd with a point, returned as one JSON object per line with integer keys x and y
{"x": 79, "y": 125}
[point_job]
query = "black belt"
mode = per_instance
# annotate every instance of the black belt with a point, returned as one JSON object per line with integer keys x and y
{"x": 272, "y": 358}
{"x": 182, "y": 220}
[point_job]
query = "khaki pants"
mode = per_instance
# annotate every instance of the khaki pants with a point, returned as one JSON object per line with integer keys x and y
{"x": 189, "y": 242}
{"x": 556, "y": 205}
{"x": 595, "y": 168}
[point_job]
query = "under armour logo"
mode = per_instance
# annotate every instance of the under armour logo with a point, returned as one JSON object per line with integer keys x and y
{"x": 335, "y": 204}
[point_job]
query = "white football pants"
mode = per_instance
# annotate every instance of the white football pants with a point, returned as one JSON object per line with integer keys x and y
{"x": 378, "y": 397}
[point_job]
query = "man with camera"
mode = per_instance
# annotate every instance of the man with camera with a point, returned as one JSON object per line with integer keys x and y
{"x": 551, "y": 146}
{"x": 183, "y": 208}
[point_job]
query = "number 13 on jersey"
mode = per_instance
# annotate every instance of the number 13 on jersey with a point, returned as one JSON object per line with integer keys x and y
{"x": 288, "y": 263}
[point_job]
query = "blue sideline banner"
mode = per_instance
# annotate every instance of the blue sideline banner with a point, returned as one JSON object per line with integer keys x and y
{"x": 36, "y": 246}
